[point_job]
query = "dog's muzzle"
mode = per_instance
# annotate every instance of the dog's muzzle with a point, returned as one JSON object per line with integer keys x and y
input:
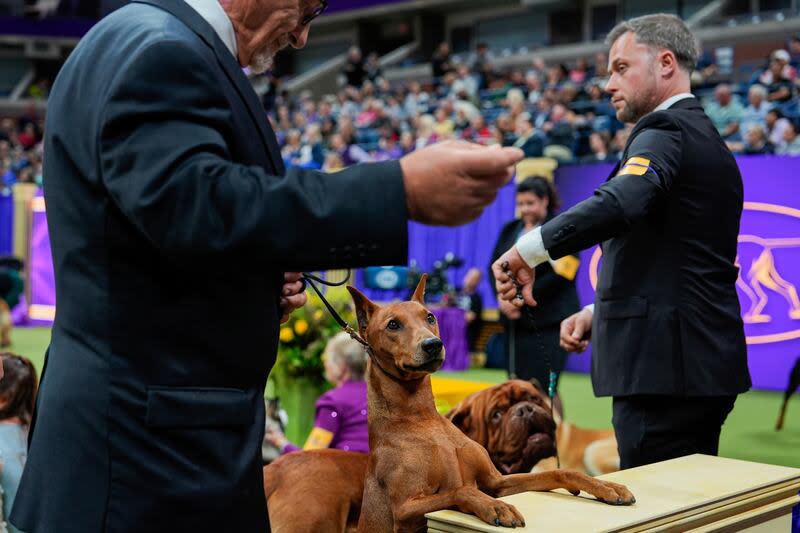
{"x": 432, "y": 347}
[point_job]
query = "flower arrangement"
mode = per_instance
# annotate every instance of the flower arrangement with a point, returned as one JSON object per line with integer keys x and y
{"x": 303, "y": 338}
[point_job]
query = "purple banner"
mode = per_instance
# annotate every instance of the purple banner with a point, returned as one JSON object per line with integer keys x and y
{"x": 346, "y": 5}
{"x": 42, "y": 307}
{"x": 48, "y": 27}
{"x": 67, "y": 20}
{"x": 769, "y": 259}
{"x": 6, "y": 221}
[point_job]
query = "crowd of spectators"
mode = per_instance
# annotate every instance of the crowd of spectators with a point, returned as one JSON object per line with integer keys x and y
{"x": 21, "y": 150}
{"x": 554, "y": 110}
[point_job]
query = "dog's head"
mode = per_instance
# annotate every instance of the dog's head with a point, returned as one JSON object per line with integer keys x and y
{"x": 512, "y": 421}
{"x": 404, "y": 337}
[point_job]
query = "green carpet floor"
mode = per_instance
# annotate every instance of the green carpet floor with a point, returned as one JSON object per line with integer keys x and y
{"x": 748, "y": 433}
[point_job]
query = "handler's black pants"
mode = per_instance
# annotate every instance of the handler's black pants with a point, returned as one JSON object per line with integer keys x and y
{"x": 650, "y": 429}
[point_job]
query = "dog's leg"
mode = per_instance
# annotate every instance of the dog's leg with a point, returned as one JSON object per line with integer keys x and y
{"x": 779, "y": 423}
{"x": 467, "y": 499}
{"x": 575, "y": 482}
{"x": 794, "y": 383}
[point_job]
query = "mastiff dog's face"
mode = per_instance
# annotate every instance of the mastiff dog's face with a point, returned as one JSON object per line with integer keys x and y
{"x": 512, "y": 421}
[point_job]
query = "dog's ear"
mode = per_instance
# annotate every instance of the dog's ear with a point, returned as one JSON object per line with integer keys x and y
{"x": 466, "y": 417}
{"x": 419, "y": 293}
{"x": 460, "y": 416}
{"x": 538, "y": 386}
{"x": 364, "y": 308}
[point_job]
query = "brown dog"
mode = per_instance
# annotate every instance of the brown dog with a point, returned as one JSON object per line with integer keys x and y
{"x": 512, "y": 421}
{"x": 325, "y": 486}
{"x": 5, "y": 324}
{"x": 419, "y": 461}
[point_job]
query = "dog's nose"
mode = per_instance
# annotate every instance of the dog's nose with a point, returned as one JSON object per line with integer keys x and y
{"x": 524, "y": 409}
{"x": 432, "y": 347}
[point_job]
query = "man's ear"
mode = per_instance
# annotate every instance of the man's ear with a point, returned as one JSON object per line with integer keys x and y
{"x": 419, "y": 293}
{"x": 668, "y": 63}
{"x": 364, "y": 308}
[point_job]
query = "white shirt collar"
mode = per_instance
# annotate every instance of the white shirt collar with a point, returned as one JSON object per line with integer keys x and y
{"x": 666, "y": 104}
{"x": 212, "y": 12}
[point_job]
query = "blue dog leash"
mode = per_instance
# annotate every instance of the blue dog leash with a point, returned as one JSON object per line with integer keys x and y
{"x": 551, "y": 387}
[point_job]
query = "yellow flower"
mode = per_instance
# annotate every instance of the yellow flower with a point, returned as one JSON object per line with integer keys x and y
{"x": 318, "y": 315}
{"x": 287, "y": 335}
{"x": 300, "y": 327}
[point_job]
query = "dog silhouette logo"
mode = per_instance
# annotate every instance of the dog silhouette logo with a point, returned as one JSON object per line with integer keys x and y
{"x": 764, "y": 278}
{"x": 768, "y": 259}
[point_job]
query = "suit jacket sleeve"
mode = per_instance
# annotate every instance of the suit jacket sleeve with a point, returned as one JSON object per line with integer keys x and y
{"x": 645, "y": 178}
{"x": 165, "y": 160}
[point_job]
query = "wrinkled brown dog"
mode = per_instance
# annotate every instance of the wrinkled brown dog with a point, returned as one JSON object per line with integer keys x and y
{"x": 5, "y": 324}
{"x": 419, "y": 461}
{"x": 322, "y": 488}
{"x": 512, "y": 421}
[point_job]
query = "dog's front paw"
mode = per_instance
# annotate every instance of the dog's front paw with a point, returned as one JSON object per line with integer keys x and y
{"x": 499, "y": 513}
{"x": 613, "y": 493}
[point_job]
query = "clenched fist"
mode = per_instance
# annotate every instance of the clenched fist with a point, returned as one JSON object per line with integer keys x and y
{"x": 576, "y": 331}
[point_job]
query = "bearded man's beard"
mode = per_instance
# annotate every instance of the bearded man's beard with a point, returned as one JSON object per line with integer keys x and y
{"x": 261, "y": 63}
{"x": 263, "y": 59}
{"x": 631, "y": 112}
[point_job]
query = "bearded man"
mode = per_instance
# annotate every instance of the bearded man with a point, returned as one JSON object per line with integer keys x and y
{"x": 168, "y": 203}
{"x": 668, "y": 338}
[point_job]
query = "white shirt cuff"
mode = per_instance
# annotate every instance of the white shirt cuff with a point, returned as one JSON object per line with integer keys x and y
{"x": 531, "y": 247}
{"x": 590, "y": 307}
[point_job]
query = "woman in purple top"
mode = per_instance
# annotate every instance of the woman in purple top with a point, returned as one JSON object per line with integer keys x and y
{"x": 341, "y": 420}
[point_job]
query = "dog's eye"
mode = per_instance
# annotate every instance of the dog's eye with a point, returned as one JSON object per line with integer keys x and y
{"x": 497, "y": 415}
{"x": 431, "y": 319}
{"x": 394, "y": 325}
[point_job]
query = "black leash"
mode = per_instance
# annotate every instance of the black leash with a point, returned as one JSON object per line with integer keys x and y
{"x": 551, "y": 387}
{"x": 309, "y": 279}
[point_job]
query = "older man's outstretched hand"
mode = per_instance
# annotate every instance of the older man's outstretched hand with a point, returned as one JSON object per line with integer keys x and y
{"x": 450, "y": 183}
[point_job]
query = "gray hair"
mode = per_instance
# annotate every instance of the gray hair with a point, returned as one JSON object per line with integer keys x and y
{"x": 341, "y": 348}
{"x": 757, "y": 129}
{"x": 660, "y": 31}
{"x": 758, "y": 89}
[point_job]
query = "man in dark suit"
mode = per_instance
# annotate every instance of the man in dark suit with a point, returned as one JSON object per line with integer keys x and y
{"x": 168, "y": 205}
{"x": 669, "y": 342}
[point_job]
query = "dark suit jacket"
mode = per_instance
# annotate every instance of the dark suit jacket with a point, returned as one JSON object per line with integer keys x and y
{"x": 555, "y": 294}
{"x": 171, "y": 223}
{"x": 667, "y": 317}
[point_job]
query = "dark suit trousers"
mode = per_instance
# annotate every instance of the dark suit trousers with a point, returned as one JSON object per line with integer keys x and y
{"x": 650, "y": 429}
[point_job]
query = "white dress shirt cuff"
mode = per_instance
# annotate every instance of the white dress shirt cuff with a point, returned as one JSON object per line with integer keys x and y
{"x": 531, "y": 247}
{"x": 590, "y": 307}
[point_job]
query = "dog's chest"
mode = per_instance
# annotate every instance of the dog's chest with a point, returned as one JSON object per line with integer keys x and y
{"x": 429, "y": 463}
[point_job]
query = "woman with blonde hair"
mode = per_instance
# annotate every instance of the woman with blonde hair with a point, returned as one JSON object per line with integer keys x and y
{"x": 341, "y": 419}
